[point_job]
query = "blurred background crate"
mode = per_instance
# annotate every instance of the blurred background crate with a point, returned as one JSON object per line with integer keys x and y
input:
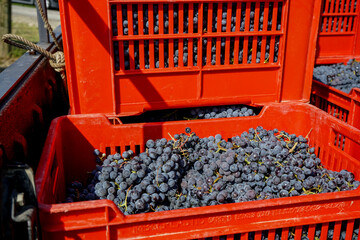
{"x": 339, "y": 32}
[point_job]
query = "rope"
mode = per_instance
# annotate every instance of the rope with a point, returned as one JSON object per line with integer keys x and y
{"x": 56, "y": 60}
{"x": 21, "y": 42}
{"x": 47, "y": 25}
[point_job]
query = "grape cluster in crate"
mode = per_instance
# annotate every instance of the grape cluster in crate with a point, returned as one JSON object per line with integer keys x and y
{"x": 193, "y": 114}
{"x": 188, "y": 171}
{"x": 339, "y": 76}
{"x": 253, "y": 43}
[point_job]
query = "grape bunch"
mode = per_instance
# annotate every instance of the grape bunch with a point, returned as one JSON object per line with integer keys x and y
{"x": 193, "y": 114}
{"x": 252, "y": 48}
{"x": 222, "y": 112}
{"x": 188, "y": 171}
{"x": 339, "y": 76}
{"x": 78, "y": 192}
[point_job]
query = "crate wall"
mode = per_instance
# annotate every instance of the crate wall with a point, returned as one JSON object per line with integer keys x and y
{"x": 67, "y": 157}
{"x": 127, "y": 57}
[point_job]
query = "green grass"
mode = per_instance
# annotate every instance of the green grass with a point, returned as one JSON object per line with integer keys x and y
{"x": 26, "y": 31}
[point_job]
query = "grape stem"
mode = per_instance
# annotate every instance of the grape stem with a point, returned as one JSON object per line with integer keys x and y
{"x": 298, "y": 178}
{"x": 218, "y": 178}
{"x": 182, "y": 144}
{"x": 125, "y": 202}
{"x": 284, "y": 135}
{"x": 235, "y": 147}
{"x": 220, "y": 148}
{"x": 307, "y": 135}
{"x": 122, "y": 164}
{"x": 102, "y": 156}
{"x": 152, "y": 208}
{"x": 169, "y": 114}
{"x": 349, "y": 184}
{"x": 293, "y": 148}
{"x": 190, "y": 118}
{"x": 178, "y": 195}
{"x": 257, "y": 135}
{"x": 279, "y": 163}
{"x": 307, "y": 192}
{"x": 172, "y": 137}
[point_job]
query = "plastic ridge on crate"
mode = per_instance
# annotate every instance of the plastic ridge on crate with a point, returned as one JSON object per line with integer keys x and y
{"x": 68, "y": 156}
{"x": 339, "y": 32}
{"x": 120, "y": 62}
{"x": 343, "y": 106}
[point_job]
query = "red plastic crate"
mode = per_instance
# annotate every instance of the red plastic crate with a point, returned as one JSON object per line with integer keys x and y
{"x": 67, "y": 157}
{"x": 94, "y": 37}
{"x": 339, "y": 32}
{"x": 343, "y": 106}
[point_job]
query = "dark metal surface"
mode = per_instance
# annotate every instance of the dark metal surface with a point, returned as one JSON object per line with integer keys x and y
{"x": 30, "y": 2}
{"x": 12, "y": 76}
{"x": 43, "y": 32}
{"x": 19, "y": 206}
{"x": 32, "y": 94}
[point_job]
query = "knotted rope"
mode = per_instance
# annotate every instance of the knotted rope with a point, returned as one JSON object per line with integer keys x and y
{"x": 56, "y": 60}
